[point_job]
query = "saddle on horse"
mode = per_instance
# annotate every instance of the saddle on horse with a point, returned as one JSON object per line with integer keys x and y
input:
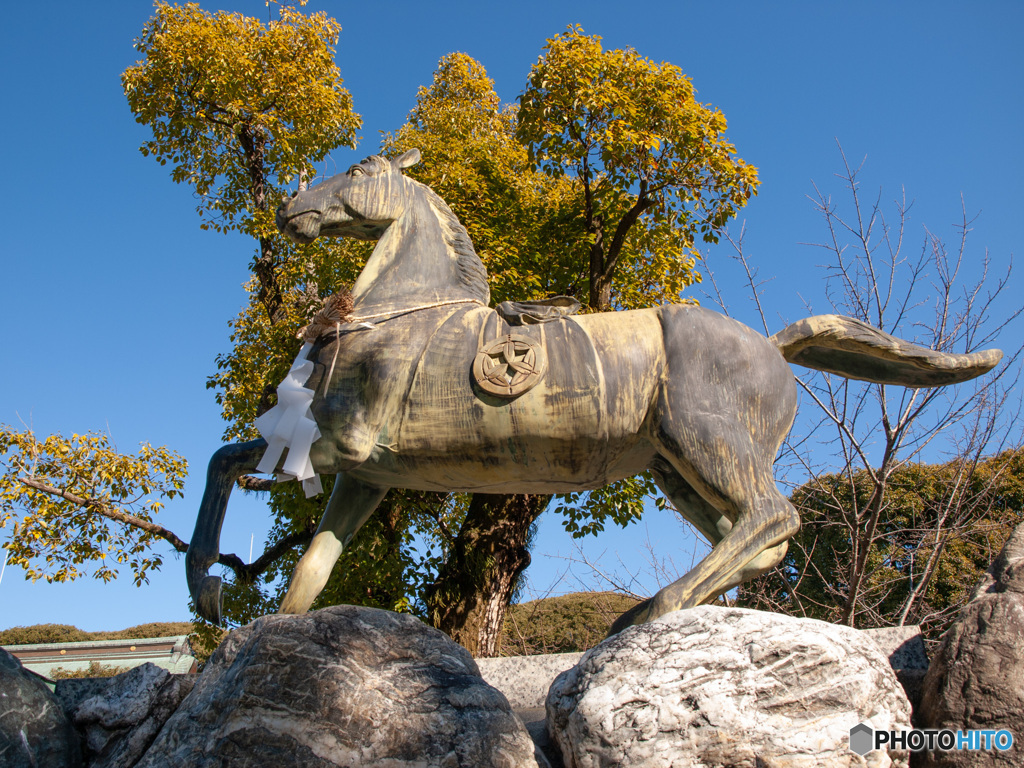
{"x": 508, "y": 363}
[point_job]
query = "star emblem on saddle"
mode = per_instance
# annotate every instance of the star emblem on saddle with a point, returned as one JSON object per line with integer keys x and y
{"x": 509, "y": 366}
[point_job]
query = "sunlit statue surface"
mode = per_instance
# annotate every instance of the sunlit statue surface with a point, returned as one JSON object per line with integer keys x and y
{"x": 422, "y": 385}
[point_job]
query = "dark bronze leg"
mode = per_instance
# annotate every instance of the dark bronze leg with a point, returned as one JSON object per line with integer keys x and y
{"x": 226, "y": 466}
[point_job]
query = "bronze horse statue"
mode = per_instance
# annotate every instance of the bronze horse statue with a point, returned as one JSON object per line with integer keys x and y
{"x": 424, "y": 386}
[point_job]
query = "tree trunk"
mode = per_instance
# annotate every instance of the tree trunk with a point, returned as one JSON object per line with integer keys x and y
{"x": 600, "y": 293}
{"x": 264, "y": 266}
{"x": 473, "y": 590}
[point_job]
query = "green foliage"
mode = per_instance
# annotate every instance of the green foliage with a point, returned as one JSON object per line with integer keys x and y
{"x": 574, "y": 622}
{"x": 95, "y": 669}
{"x": 65, "y": 633}
{"x": 962, "y": 518}
{"x": 75, "y": 504}
{"x": 145, "y": 631}
{"x": 43, "y": 633}
{"x": 587, "y": 512}
{"x": 224, "y": 93}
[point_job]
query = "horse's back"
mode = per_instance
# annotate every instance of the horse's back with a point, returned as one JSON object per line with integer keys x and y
{"x": 615, "y": 387}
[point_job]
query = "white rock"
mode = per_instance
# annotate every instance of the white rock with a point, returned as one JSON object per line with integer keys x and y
{"x": 729, "y": 687}
{"x": 525, "y": 680}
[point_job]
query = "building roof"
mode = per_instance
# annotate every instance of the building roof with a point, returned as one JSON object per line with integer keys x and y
{"x": 170, "y": 653}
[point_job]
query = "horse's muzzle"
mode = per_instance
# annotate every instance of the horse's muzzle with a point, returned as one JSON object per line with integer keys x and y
{"x": 302, "y": 228}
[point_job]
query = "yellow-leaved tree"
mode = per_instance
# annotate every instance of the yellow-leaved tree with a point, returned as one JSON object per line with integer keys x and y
{"x": 238, "y": 108}
{"x": 652, "y": 164}
{"x": 602, "y": 141}
{"x": 596, "y": 185}
{"x": 78, "y": 504}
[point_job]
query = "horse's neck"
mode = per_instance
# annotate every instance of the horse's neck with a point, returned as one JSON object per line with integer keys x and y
{"x": 411, "y": 267}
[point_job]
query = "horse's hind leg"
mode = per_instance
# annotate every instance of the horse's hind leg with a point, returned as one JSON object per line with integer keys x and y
{"x": 756, "y": 542}
{"x": 714, "y": 525}
{"x": 351, "y": 504}
{"x": 727, "y": 402}
{"x": 226, "y": 466}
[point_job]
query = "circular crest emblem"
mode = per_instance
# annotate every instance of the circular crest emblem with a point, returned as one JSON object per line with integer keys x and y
{"x": 509, "y": 366}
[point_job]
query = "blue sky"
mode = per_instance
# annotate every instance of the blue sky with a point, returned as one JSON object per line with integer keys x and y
{"x": 115, "y": 303}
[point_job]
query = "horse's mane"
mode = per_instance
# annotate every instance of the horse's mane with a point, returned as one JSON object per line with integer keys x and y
{"x": 472, "y": 271}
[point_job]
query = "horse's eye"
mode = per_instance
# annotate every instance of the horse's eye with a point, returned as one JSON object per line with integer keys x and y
{"x": 356, "y": 170}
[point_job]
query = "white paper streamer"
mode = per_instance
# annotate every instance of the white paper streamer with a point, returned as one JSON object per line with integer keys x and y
{"x": 290, "y": 424}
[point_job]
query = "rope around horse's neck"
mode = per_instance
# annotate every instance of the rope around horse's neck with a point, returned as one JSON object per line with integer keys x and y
{"x": 396, "y": 312}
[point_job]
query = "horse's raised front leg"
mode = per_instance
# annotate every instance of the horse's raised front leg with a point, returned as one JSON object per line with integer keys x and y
{"x": 226, "y": 466}
{"x": 351, "y": 504}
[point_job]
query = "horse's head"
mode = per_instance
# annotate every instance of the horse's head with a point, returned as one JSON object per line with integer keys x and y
{"x": 360, "y": 203}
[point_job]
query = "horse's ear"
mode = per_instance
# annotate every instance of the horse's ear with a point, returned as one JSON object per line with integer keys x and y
{"x": 408, "y": 159}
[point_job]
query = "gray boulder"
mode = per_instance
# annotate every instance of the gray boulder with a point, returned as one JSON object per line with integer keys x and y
{"x": 120, "y": 722}
{"x": 345, "y": 686}
{"x": 34, "y": 732}
{"x": 525, "y": 679}
{"x": 976, "y": 678}
{"x": 72, "y": 691}
{"x": 718, "y": 687}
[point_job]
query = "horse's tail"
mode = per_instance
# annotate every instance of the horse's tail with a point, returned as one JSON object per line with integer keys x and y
{"x": 856, "y": 350}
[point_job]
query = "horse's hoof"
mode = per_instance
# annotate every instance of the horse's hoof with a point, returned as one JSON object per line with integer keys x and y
{"x": 635, "y": 615}
{"x": 208, "y": 599}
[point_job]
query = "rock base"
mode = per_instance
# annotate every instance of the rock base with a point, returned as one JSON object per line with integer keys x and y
{"x": 345, "y": 686}
{"x": 726, "y": 687}
{"x": 976, "y": 680}
{"x": 34, "y": 731}
{"x": 359, "y": 687}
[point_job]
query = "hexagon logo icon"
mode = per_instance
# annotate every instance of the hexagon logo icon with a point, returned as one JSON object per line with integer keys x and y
{"x": 862, "y": 739}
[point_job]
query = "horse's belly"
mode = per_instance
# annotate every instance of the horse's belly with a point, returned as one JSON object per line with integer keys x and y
{"x": 453, "y": 473}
